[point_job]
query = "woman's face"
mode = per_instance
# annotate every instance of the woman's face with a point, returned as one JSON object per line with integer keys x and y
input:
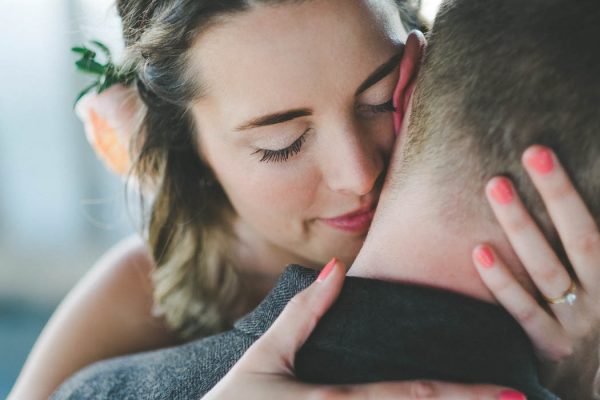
{"x": 296, "y": 119}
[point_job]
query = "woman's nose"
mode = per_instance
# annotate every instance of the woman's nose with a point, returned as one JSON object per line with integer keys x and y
{"x": 353, "y": 164}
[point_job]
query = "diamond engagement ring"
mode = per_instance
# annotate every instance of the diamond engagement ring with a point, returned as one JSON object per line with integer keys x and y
{"x": 569, "y": 296}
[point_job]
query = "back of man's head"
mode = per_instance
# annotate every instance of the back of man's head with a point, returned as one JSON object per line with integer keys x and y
{"x": 499, "y": 76}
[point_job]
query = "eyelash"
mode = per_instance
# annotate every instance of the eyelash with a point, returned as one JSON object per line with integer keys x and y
{"x": 283, "y": 155}
{"x": 386, "y": 107}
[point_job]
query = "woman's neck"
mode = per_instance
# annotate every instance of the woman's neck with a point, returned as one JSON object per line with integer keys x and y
{"x": 260, "y": 262}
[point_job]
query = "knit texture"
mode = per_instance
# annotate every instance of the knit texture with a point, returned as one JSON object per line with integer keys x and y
{"x": 375, "y": 331}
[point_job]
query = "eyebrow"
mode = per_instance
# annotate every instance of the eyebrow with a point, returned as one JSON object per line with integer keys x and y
{"x": 381, "y": 72}
{"x": 277, "y": 118}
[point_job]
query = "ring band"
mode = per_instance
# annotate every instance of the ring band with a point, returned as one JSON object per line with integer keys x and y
{"x": 569, "y": 296}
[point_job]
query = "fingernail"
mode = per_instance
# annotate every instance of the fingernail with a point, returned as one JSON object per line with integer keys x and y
{"x": 327, "y": 270}
{"x": 485, "y": 256}
{"x": 511, "y": 395}
{"x": 502, "y": 191}
{"x": 540, "y": 159}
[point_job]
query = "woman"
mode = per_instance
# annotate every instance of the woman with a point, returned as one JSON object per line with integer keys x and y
{"x": 267, "y": 139}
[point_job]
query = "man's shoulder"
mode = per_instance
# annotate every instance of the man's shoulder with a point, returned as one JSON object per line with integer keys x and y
{"x": 180, "y": 372}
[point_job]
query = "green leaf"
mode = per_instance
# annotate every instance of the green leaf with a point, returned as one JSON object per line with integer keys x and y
{"x": 107, "y": 74}
{"x": 81, "y": 50}
{"x": 90, "y": 66}
{"x": 85, "y": 53}
{"x": 102, "y": 47}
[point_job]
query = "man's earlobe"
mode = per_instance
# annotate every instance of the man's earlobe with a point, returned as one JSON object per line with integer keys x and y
{"x": 409, "y": 69}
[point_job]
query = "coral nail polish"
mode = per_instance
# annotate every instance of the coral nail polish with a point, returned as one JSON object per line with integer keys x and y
{"x": 511, "y": 395}
{"x": 502, "y": 191}
{"x": 485, "y": 256}
{"x": 540, "y": 160}
{"x": 326, "y": 270}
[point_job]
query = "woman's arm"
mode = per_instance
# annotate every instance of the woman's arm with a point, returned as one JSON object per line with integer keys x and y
{"x": 108, "y": 313}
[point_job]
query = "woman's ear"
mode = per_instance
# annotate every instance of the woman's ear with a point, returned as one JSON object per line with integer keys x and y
{"x": 410, "y": 63}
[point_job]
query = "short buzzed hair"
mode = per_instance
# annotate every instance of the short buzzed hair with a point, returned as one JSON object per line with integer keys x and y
{"x": 499, "y": 76}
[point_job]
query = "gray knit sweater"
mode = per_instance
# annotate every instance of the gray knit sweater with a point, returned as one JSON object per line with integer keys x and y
{"x": 375, "y": 331}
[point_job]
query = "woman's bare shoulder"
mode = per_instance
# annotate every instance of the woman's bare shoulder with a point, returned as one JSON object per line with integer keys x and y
{"x": 122, "y": 273}
{"x": 130, "y": 255}
{"x": 120, "y": 284}
{"x": 107, "y": 314}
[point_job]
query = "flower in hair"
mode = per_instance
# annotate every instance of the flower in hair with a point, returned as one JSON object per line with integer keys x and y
{"x": 107, "y": 112}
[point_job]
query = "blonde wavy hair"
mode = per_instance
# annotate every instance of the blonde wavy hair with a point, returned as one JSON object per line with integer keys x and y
{"x": 189, "y": 226}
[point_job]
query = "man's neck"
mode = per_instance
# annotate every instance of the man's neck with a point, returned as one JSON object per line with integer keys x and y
{"x": 410, "y": 242}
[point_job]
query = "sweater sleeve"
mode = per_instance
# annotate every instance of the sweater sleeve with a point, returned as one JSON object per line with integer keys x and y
{"x": 184, "y": 372}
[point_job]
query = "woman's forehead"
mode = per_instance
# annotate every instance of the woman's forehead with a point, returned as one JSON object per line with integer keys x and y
{"x": 296, "y": 49}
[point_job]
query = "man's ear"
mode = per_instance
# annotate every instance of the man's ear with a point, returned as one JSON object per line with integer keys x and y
{"x": 410, "y": 63}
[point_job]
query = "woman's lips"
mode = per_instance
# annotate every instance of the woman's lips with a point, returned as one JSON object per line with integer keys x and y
{"x": 358, "y": 221}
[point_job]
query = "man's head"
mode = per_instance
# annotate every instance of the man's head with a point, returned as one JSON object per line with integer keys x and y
{"x": 497, "y": 77}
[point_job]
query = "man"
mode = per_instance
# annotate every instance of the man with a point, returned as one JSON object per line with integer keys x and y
{"x": 499, "y": 76}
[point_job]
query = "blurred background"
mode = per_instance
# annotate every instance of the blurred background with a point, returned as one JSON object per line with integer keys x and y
{"x": 60, "y": 208}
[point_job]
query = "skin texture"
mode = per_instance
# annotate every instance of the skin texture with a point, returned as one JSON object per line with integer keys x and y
{"x": 311, "y": 55}
{"x": 418, "y": 243}
{"x": 566, "y": 337}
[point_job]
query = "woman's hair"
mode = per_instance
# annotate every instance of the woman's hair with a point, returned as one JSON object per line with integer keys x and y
{"x": 189, "y": 226}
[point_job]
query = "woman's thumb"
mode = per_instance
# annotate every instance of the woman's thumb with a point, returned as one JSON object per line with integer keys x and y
{"x": 302, "y": 313}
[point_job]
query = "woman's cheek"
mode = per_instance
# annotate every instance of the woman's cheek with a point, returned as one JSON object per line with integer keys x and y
{"x": 282, "y": 189}
{"x": 384, "y": 137}
{"x": 384, "y": 133}
{"x": 273, "y": 194}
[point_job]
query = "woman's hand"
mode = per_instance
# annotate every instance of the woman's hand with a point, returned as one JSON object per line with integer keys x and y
{"x": 565, "y": 334}
{"x": 266, "y": 369}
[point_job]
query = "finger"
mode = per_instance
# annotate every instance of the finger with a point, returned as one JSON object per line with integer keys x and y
{"x": 276, "y": 349}
{"x": 573, "y": 221}
{"x": 415, "y": 390}
{"x": 548, "y": 336}
{"x": 527, "y": 240}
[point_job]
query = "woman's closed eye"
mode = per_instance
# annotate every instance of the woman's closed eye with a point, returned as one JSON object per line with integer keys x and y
{"x": 283, "y": 154}
{"x": 370, "y": 110}
{"x": 365, "y": 110}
